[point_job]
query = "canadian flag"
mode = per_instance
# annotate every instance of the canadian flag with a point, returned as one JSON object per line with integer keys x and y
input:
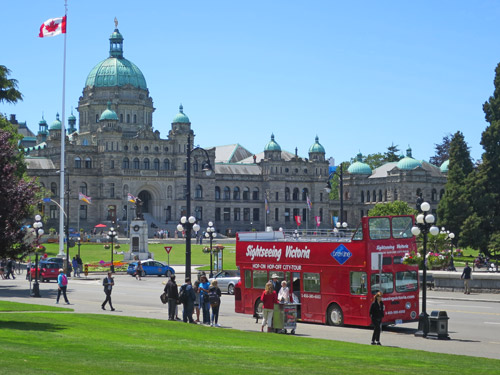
{"x": 53, "y": 27}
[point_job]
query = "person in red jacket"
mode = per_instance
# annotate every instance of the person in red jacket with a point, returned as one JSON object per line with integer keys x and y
{"x": 268, "y": 298}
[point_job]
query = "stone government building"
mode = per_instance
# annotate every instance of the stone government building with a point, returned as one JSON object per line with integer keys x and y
{"x": 116, "y": 151}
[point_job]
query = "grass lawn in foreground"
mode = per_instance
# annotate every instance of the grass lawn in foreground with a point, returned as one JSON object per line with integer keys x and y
{"x": 16, "y": 306}
{"x": 68, "y": 343}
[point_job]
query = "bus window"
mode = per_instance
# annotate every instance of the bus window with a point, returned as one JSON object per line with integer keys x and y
{"x": 387, "y": 283}
{"x": 358, "y": 235}
{"x": 296, "y": 286}
{"x": 311, "y": 282}
{"x": 401, "y": 227}
{"x": 406, "y": 281}
{"x": 380, "y": 228}
{"x": 248, "y": 279}
{"x": 281, "y": 275}
{"x": 387, "y": 261}
{"x": 260, "y": 279}
{"x": 358, "y": 283}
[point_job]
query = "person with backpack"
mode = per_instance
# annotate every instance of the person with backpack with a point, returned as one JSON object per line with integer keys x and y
{"x": 204, "y": 302}
{"x": 62, "y": 284}
{"x": 187, "y": 297}
{"x": 214, "y": 295}
{"x": 173, "y": 297}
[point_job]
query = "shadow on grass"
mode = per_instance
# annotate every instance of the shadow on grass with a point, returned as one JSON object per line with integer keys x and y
{"x": 30, "y": 326}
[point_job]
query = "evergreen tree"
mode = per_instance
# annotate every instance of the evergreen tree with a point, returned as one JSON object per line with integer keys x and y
{"x": 482, "y": 227}
{"x": 454, "y": 207}
{"x": 442, "y": 151}
{"x": 392, "y": 153}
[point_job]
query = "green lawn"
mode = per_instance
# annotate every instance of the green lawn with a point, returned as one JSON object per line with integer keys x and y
{"x": 93, "y": 253}
{"x": 45, "y": 343}
{"x": 16, "y": 306}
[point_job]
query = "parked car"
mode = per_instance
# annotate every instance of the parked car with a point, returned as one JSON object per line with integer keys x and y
{"x": 226, "y": 280}
{"x": 46, "y": 271}
{"x": 59, "y": 261}
{"x": 151, "y": 267}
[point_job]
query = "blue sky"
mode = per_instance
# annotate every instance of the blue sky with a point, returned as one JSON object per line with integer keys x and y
{"x": 360, "y": 74}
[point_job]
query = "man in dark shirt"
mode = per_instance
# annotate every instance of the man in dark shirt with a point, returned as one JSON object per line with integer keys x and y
{"x": 466, "y": 275}
{"x": 108, "y": 284}
{"x": 173, "y": 296}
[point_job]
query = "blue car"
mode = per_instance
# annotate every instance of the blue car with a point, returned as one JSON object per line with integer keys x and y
{"x": 151, "y": 267}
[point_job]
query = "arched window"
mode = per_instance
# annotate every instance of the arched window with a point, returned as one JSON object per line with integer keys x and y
{"x": 395, "y": 194}
{"x": 78, "y": 163}
{"x": 53, "y": 189}
{"x": 195, "y": 166}
{"x": 166, "y": 164}
{"x": 380, "y": 195}
{"x": 246, "y": 194}
{"x": 83, "y": 188}
{"x": 236, "y": 193}
{"x": 227, "y": 193}
{"x": 255, "y": 194}
{"x": 217, "y": 193}
{"x": 135, "y": 119}
{"x": 121, "y": 117}
{"x": 305, "y": 193}
{"x": 146, "y": 163}
{"x": 96, "y": 119}
{"x": 287, "y": 194}
{"x": 368, "y": 195}
{"x": 198, "y": 193}
{"x": 126, "y": 163}
{"x": 125, "y": 190}
{"x": 433, "y": 195}
{"x": 385, "y": 195}
{"x": 169, "y": 192}
{"x": 88, "y": 163}
{"x": 362, "y": 196}
{"x": 295, "y": 195}
{"x": 156, "y": 164}
{"x": 136, "y": 163}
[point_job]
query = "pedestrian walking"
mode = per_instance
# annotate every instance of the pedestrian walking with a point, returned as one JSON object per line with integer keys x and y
{"x": 188, "y": 303}
{"x": 138, "y": 270}
{"x": 204, "y": 302}
{"x": 466, "y": 276}
{"x": 376, "y": 315}
{"x": 10, "y": 268}
{"x": 108, "y": 283}
{"x": 76, "y": 267}
{"x": 28, "y": 268}
{"x": 79, "y": 261}
{"x": 62, "y": 285}
{"x": 196, "y": 288}
{"x": 268, "y": 298}
{"x": 214, "y": 295}
{"x": 172, "y": 296}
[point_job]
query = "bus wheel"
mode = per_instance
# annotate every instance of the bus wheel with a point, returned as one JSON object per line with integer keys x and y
{"x": 334, "y": 315}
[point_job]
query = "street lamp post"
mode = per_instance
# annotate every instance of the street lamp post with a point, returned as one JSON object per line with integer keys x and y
{"x": 210, "y": 234}
{"x": 424, "y": 225}
{"x": 79, "y": 243}
{"x": 328, "y": 188}
{"x": 112, "y": 235}
{"x": 37, "y": 225}
{"x": 187, "y": 224}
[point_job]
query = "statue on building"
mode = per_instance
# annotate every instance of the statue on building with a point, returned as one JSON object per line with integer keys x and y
{"x": 138, "y": 209}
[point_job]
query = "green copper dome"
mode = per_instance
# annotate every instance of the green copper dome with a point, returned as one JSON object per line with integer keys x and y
{"x": 109, "y": 114}
{"x": 444, "y": 166}
{"x": 358, "y": 167}
{"x": 272, "y": 145}
{"x": 317, "y": 147}
{"x": 408, "y": 163}
{"x": 116, "y": 70}
{"x": 42, "y": 126}
{"x": 181, "y": 117}
{"x": 56, "y": 125}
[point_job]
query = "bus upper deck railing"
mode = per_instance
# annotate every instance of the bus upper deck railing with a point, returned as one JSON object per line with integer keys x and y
{"x": 341, "y": 235}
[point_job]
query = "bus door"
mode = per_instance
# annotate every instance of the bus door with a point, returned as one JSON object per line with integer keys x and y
{"x": 295, "y": 288}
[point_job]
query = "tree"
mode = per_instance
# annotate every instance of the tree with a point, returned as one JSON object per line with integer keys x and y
{"x": 17, "y": 196}
{"x": 375, "y": 160}
{"x": 442, "y": 151}
{"x": 8, "y": 87}
{"x": 392, "y": 154}
{"x": 482, "y": 227}
{"x": 392, "y": 208}
{"x": 454, "y": 207}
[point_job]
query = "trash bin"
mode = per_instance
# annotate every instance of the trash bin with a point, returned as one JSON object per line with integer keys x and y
{"x": 438, "y": 325}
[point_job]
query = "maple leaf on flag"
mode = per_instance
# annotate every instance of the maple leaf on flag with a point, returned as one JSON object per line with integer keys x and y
{"x": 51, "y": 27}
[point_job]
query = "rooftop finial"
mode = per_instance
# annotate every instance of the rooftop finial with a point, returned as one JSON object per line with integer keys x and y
{"x": 116, "y": 23}
{"x": 181, "y": 108}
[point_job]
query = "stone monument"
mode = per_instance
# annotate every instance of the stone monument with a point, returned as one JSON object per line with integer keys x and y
{"x": 138, "y": 236}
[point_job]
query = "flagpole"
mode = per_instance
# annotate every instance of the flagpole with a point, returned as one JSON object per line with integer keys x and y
{"x": 63, "y": 141}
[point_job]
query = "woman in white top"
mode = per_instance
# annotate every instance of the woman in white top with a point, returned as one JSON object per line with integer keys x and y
{"x": 284, "y": 294}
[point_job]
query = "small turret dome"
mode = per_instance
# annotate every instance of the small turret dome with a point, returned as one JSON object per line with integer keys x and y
{"x": 181, "y": 117}
{"x": 444, "y": 166}
{"x": 408, "y": 163}
{"x": 56, "y": 125}
{"x": 317, "y": 147}
{"x": 109, "y": 114}
{"x": 358, "y": 167}
{"x": 71, "y": 117}
{"x": 272, "y": 145}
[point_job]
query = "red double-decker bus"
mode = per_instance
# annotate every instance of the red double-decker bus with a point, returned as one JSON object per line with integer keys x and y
{"x": 334, "y": 276}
